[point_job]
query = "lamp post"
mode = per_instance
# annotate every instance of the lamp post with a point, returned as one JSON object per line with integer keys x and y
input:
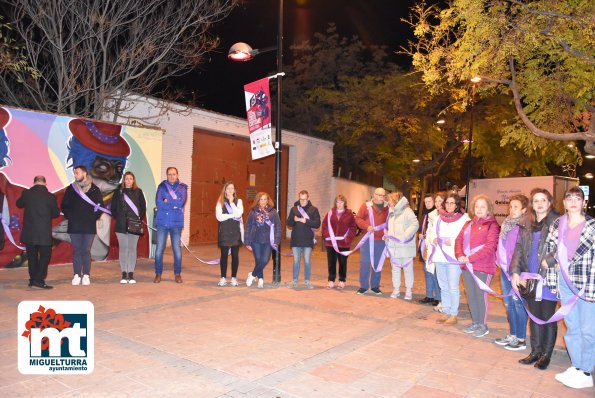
{"x": 243, "y": 52}
{"x": 474, "y": 82}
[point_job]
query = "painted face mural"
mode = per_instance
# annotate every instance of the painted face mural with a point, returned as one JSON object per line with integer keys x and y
{"x": 33, "y": 143}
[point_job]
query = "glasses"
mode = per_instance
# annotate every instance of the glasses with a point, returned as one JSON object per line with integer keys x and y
{"x": 451, "y": 203}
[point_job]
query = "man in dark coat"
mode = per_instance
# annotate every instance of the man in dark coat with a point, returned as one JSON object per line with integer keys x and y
{"x": 303, "y": 219}
{"x": 40, "y": 207}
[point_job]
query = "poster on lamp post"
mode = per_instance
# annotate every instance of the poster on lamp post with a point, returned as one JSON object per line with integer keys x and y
{"x": 258, "y": 110}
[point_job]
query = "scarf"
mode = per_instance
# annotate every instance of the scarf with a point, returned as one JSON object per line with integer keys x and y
{"x": 450, "y": 217}
{"x": 508, "y": 225}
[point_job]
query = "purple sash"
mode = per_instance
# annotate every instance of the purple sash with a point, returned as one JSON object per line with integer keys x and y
{"x": 230, "y": 211}
{"x": 131, "y": 204}
{"x": 307, "y": 217}
{"x": 332, "y": 237}
{"x": 172, "y": 193}
{"x": 84, "y": 196}
{"x": 440, "y": 242}
{"x": 422, "y": 236}
{"x": 271, "y": 233}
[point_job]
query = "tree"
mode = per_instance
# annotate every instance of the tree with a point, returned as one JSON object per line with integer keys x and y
{"x": 90, "y": 53}
{"x": 539, "y": 51}
{"x": 10, "y": 53}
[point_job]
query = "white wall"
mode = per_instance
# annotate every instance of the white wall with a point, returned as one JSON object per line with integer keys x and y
{"x": 310, "y": 159}
{"x": 356, "y": 193}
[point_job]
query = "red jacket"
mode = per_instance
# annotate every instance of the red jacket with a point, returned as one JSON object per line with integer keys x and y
{"x": 363, "y": 221}
{"x": 340, "y": 225}
{"x": 484, "y": 231}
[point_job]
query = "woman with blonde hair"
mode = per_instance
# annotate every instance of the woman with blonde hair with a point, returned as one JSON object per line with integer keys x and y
{"x": 400, "y": 242}
{"x": 476, "y": 245}
{"x": 339, "y": 222}
{"x": 229, "y": 210}
{"x": 263, "y": 233}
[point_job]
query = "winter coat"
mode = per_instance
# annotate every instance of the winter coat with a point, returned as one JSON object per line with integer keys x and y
{"x": 341, "y": 225}
{"x": 121, "y": 211}
{"x": 170, "y": 211}
{"x": 40, "y": 207}
{"x": 230, "y": 231}
{"x": 257, "y": 229}
{"x": 82, "y": 216}
{"x": 403, "y": 225}
{"x": 362, "y": 218}
{"x": 520, "y": 258}
{"x": 302, "y": 234}
{"x": 447, "y": 230}
{"x": 484, "y": 231}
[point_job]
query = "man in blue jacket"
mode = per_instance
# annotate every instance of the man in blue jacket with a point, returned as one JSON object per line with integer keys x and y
{"x": 170, "y": 200}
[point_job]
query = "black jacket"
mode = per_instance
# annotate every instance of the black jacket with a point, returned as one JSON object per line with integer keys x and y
{"x": 81, "y": 215}
{"x": 301, "y": 233}
{"x": 522, "y": 251}
{"x": 121, "y": 211}
{"x": 40, "y": 207}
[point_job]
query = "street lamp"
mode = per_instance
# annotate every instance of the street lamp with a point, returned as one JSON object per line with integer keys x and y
{"x": 244, "y": 52}
{"x": 475, "y": 80}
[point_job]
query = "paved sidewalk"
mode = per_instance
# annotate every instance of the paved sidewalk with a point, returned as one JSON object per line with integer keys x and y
{"x": 198, "y": 339}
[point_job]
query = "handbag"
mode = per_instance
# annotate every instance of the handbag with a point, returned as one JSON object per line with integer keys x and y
{"x": 134, "y": 226}
{"x": 528, "y": 287}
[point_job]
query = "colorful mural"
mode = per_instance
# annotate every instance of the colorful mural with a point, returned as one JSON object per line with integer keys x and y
{"x": 34, "y": 143}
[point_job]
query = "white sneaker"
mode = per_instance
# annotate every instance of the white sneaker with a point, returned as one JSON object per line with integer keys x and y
{"x": 222, "y": 282}
{"x": 395, "y": 294}
{"x": 234, "y": 282}
{"x": 261, "y": 283}
{"x": 578, "y": 379}
{"x": 123, "y": 281}
{"x": 249, "y": 279}
{"x": 131, "y": 281}
{"x": 86, "y": 280}
{"x": 408, "y": 295}
{"x": 439, "y": 308}
{"x": 566, "y": 374}
{"x": 76, "y": 280}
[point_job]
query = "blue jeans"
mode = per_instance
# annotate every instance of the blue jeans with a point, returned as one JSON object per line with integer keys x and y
{"x": 432, "y": 287}
{"x": 81, "y": 253}
{"x": 297, "y": 252}
{"x": 580, "y": 336}
{"x": 262, "y": 255}
{"x": 174, "y": 234}
{"x": 449, "y": 276}
{"x": 515, "y": 309}
{"x": 364, "y": 265}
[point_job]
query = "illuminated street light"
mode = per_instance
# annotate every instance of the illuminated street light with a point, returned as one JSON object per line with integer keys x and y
{"x": 416, "y": 160}
{"x": 244, "y": 52}
{"x": 589, "y": 175}
{"x": 440, "y": 121}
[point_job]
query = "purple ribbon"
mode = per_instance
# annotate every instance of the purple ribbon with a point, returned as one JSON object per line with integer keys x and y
{"x": 9, "y": 234}
{"x": 307, "y": 217}
{"x": 131, "y": 204}
{"x": 172, "y": 193}
{"x": 439, "y": 242}
{"x": 332, "y": 237}
{"x": 230, "y": 211}
{"x": 96, "y": 206}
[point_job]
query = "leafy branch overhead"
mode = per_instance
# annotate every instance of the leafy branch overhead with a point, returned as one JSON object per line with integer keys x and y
{"x": 540, "y": 52}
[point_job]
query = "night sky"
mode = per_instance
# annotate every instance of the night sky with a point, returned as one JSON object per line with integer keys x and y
{"x": 218, "y": 83}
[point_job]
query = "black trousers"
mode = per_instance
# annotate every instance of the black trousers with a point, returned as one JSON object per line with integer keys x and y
{"x": 235, "y": 260}
{"x": 332, "y": 257}
{"x": 543, "y": 337}
{"x": 39, "y": 258}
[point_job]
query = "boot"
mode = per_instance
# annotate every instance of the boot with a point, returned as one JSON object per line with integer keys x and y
{"x": 550, "y": 332}
{"x": 536, "y": 344}
{"x": 124, "y": 278}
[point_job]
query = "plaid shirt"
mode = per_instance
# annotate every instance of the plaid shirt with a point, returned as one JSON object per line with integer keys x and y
{"x": 581, "y": 269}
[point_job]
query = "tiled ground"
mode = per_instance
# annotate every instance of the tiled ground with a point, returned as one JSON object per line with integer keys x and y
{"x": 201, "y": 340}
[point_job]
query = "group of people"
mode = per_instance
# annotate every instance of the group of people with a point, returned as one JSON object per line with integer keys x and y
{"x": 543, "y": 257}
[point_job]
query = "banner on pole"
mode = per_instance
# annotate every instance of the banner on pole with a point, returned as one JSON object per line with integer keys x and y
{"x": 258, "y": 110}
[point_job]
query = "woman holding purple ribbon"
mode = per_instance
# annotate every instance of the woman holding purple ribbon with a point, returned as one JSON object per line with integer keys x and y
{"x": 263, "y": 233}
{"x": 229, "y": 210}
{"x": 128, "y": 203}
{"x": 400, "y": 242}
{"x": 444, "y": 232}
{"x": 529, "y": 252}
{"x": 475, "y": 249}
{"x": 339, "y": 224}
{"x": 429, "y": 266}
{"x": 515, "y": 308}
{"x": 82, "y": 219}
{"x": 571, "y": 249}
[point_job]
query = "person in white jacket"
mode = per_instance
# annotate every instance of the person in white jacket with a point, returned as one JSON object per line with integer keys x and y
{"x": 228, "y": 211}
{"x": 400, "y": 242}
{"x": 444, "y": 232}
{"x": 433, "y": 217}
